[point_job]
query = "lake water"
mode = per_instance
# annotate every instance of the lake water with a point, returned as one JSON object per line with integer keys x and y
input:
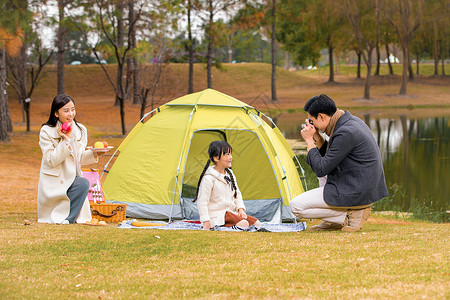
{"x": 415, "y": 149}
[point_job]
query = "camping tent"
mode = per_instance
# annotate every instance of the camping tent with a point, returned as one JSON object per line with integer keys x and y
{"x": 160, "y": 160}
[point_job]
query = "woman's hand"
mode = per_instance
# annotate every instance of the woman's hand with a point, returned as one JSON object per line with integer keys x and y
{"x": 65, "y": 136}
{"x": 97, "y": 154}
{"x": 241, "y": 213}
{"x": 206, "y": 225}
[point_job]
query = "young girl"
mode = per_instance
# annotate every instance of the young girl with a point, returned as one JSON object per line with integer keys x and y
{"x": 62, "y": 189}
{"x": 219, "y": 199}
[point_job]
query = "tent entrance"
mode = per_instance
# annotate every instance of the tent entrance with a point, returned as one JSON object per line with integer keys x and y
{"x": 254, "y": 172}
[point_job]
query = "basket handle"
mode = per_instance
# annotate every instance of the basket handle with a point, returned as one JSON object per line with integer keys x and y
{"x": 113, "y": 213}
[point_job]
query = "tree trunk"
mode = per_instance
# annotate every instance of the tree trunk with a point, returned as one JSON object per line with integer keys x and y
{"x": 136, "y": 81}
{"x": 5, "y": 119}
{"x": 405, "y": 71}
{"x": 410, "y": 70}
{"x": 23, "y": 84}
{"x": 61, "y": 47}
{"x": 330, "y": 61}
{"x": 417, "y": 63}
{"x": 388, "y": 55}
{"x": 122, "y": 115}
{"x": 377, "y": 70}
{"x": 368, "y": 77}
{"x": 135, "y": 61}
{"x": 358, "y": 67}
{"x": 443, "y": 67}
{"x": 436, "y": 54}
{"x": 27, "y": 113}
{"x": 274, "y": 53}
{"x": 436, "y": 65}
{"x": 191, "y": 51}
{"x": 120, "y": 43}
{"x": 128, "y": 78}
{"x": 210, "y": 46}
{"x": 377, "y": 46}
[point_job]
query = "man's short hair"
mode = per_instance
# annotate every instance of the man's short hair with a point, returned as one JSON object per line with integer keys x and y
{"x": 320, "y": 104}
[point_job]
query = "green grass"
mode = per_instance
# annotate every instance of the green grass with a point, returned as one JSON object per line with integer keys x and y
{"x": 398, "y": 260}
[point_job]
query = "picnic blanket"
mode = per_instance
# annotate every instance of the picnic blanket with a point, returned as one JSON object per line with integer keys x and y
{"x": 189, "y": 225}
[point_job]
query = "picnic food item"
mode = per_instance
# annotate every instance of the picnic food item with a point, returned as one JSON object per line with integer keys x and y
{"x": 95, "y": 221}
{"x": 145, "y": 224}
{"x": 99, "y": 145}
{"x": 105, "y": 144}
{"x": 65, "y": 127}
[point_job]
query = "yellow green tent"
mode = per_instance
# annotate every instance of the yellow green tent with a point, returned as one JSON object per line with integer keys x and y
{"x": 160, "y": 160}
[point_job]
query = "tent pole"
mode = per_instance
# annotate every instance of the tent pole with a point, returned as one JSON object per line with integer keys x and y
{"x": 106, "y": 165}
{"x": 145, "y": 116}
{"x": 179, "y": 164}
{"x": 303, "y": 172}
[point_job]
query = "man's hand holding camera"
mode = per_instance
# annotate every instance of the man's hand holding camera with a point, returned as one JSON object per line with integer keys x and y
{"x": 311, "y": 135}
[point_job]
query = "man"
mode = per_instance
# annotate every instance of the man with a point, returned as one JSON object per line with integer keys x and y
{"x": 349, "y": 162}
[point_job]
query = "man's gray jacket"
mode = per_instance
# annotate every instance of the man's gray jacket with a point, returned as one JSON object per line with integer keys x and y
{"x": 352, "y": 164}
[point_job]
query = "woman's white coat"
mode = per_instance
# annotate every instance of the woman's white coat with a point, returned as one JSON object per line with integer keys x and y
{"x": 58, "y": 171}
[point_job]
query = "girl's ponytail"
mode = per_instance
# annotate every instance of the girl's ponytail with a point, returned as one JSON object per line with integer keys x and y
{"x": 208, "y": 162}
{"x": 233, "y": 184}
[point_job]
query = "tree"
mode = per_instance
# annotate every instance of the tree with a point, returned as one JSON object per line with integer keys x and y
{"x": 295, "y": 33}
{"x": 25, "y": 72}
{"x": 191, "y": 5}
{"x": 377, "y": 48}
{"x": 387, "y": 40}
{"x": 108, "y": 18}
{"x": 435, "y": 31}
{"x": 155, "y": 75}
{"x": 327, "y": 23}
{"x": 274, "y": 52}
{"x": 12, "y": 19}
{"x": 61, "y": 45}
{"x": 211, "y": 8}
{"x": 405, "y": 17}
{"x": 362, "y": 20}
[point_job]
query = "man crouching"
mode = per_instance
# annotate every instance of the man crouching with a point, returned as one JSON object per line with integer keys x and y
{"x": 349, "y": 167}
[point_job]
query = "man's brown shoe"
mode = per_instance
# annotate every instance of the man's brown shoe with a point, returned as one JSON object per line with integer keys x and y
{"x": 326, "y": 226}
{"x": 356, "y": 219}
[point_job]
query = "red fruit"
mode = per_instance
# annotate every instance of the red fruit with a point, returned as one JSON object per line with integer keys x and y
{"x": 65, "y": 128}
{"x": 105, "y": 144}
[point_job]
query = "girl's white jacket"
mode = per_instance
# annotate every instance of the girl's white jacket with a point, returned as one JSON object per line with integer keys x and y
{"x": 58, "y": 171}
{"x": 215, "y": 197}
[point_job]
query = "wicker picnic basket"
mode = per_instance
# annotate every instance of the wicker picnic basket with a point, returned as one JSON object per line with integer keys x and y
{"x": 109, "y": 212}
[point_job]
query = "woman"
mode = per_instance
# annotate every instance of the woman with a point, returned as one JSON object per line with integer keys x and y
{"x": 62, "y": 189}
{"x": 219, "y": 199}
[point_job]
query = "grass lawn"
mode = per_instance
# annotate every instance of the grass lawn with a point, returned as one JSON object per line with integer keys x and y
{"x": 389, "y": 258}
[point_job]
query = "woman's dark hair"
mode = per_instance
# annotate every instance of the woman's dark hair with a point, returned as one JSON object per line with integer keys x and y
{"x": 58, "y": 102}
{"x": 320, "y": 104}
{"x": 217, "y": 148}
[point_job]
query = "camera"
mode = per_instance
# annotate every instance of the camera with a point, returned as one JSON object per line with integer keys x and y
{"x": 310, "y": 122}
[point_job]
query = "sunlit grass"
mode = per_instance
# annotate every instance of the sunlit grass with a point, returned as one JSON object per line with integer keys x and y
{"x": 382, "y": 261}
